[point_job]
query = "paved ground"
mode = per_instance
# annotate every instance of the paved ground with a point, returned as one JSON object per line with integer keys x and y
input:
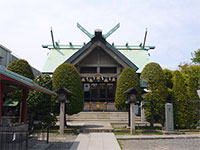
{"x": 56, "y": 142}
{"x": 161, "y": 144}
{"x": 63, "y": 142}
{"x": 95, "y": 141}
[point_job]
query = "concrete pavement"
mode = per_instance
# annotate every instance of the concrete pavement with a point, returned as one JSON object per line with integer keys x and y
{"x": 154, "y": 137}
{"x": 96, "y": 141}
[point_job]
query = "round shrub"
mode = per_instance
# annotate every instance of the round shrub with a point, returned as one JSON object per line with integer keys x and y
{"x": 128, "y": 79}
{"x": 21, "y": 67}
{"x": 68, "y": 76}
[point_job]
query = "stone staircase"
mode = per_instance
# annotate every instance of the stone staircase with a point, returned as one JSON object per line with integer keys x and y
{"x": 111, "y": 117}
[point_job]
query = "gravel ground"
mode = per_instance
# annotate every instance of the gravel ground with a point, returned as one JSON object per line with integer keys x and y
{"x": 61, "y": 141}
{"x": 161, "y": 144}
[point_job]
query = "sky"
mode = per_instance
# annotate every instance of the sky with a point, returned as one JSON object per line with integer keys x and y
{"x": 173, "y": 26}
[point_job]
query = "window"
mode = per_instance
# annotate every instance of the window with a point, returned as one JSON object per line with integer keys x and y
{"x": 108, "y": 70}
{"x": 88, "y": 70}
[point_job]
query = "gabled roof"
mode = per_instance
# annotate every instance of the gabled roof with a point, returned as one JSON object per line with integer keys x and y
{"x": 110, "y": 47}
{"x": 134, "y": 56}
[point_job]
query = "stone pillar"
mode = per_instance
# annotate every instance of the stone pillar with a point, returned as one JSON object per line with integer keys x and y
{"x": 62, "y": 113}
{"x": 23, "y": 112}
{"x": 1, "y": 100}
{"x": 132, "y": 118}
{"x": 169, "y": 125}
{"x": 143, "y": 119}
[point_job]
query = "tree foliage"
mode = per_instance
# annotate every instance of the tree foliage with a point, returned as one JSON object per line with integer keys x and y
{"x": 40, "y": 104}
{"x": 128, "y": 79}
{"x": 191, "y": 73}
{"x": 168, "y": 78}
{"x": 196, "y": 57}
{"x": 153, "y": 75}
{"x": 23, "y": 68}
{"x": 67, "y": 75}
{"x": 183, "y": 116}
{"x": 169, "y": 84}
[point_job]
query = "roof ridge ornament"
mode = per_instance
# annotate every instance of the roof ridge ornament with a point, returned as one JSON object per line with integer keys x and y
{"x": 92, "y": 35}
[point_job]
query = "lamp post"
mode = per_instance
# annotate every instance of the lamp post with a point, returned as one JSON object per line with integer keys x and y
{"x": 63, "y": 97}
{"x": 131, "y": 92}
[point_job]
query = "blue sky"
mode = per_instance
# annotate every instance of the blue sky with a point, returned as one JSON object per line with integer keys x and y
{"x": 173, "y": 26}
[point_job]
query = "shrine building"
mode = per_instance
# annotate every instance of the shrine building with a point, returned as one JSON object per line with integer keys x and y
{"x": 100, "y": 64}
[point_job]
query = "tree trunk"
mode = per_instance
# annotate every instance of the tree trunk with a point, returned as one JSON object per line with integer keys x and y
{"x": 129, "y": 117}
{"x": 152, "y": 117}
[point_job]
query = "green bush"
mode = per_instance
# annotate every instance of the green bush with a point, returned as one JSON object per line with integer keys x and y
{"x": 168, "y": 78}
{"x": 23, "y": 68}
{"x": 153, "y": 75}
{"x": 40, "y": 104}
{"x": 67, "y": 75}
{"x": 128, "y": 79}
{"x": 191, "y": 74}
{"x": 183, "y": 118}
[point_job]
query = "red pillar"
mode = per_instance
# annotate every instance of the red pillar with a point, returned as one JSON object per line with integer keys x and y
{"x": 23, "y": 114}
{"x": 1, "y": 100}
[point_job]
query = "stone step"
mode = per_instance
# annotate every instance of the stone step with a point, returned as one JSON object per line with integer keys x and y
{"x": 101, "y": 116}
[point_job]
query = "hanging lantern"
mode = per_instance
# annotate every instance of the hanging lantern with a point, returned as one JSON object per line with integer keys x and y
{"x": 113, "y": 79}
{"x": 90, "y": 80}
{"x": 106, "y": 80}
{"x": 83, "y": 79}
{"x": 98, "y": 78}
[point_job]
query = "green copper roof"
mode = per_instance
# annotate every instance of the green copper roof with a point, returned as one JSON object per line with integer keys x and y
{"x": 135, "y": 54}
{"x": 24, "y": 80}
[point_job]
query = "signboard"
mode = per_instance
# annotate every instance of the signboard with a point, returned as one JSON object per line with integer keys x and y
{"x": 198, "y": 92}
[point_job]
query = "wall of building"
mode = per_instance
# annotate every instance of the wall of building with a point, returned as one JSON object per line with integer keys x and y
{"x": 6, "y": 57}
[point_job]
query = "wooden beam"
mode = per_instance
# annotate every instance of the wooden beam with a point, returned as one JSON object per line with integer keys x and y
{"x": 24, "y": 108}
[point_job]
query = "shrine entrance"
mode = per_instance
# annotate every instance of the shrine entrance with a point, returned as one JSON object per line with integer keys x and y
{"x": 99, "y": 92}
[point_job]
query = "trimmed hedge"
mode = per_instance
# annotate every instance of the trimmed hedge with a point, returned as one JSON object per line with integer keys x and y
{"x": 68, "y": 76}
{"x": 128, "y": 79}
{"x": 21, "y": 67}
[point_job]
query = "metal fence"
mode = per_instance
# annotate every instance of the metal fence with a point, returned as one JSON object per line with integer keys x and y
{"x": 13, "y": 140}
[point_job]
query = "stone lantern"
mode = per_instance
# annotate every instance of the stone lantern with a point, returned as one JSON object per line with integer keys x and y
{"x": 131, "y": 92}
{"x": 63, "y": 97}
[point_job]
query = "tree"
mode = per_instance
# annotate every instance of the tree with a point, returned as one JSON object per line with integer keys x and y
{"x": 196, "y": 57}
{"x": 40, "y": 104}
{"x": 128, "y": 79}
{"x": 68, "y": 76}
{"x": 183, "y": 116}
{"x": 153, "y": 75}
{"x": 168, "y": 78}
{"x": 23, "y": 68}
{"x": 191, "y": 74}
{"x": 169, "y": 84}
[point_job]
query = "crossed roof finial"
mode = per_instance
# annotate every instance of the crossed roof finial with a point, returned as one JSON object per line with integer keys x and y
{"x": 104, "y": 35}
